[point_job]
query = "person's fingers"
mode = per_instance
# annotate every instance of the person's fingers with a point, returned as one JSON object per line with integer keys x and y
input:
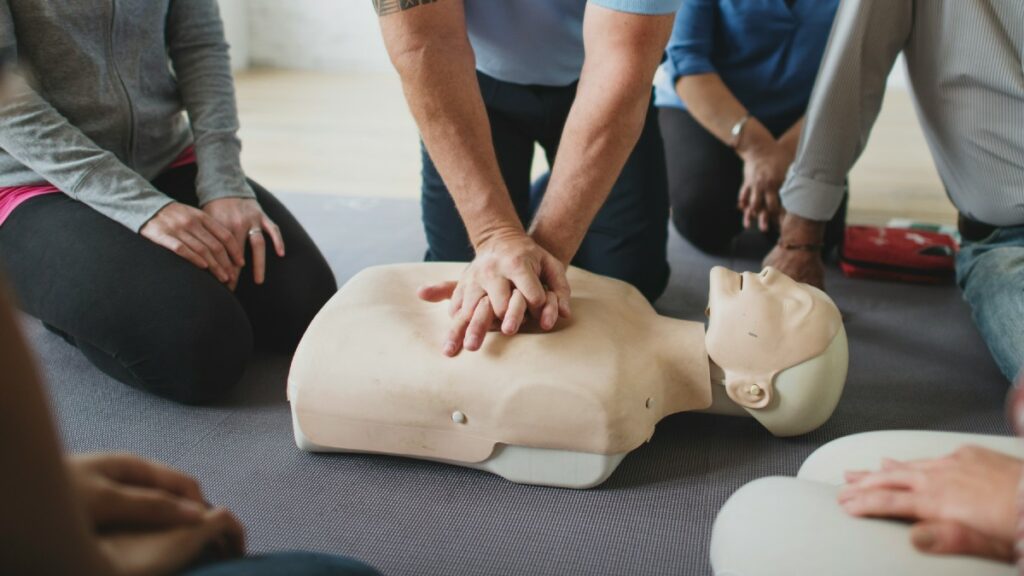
{"x": 199, "y": 247}
{"x": 947, "y": 537}
{"x": 763, "y": 221}
{"x": 182, "y": 249}
{"x": 852, "y": 476}
{"x": 889, "y": 465}
{"x": 259, "y": 256}
{"x": 235, "y": 246}
{"x": 457, "y": 332}
{"x": 772, "y": 205}
{"x": 752, "y": 215}
{"x": 471, "y": 294}
{"x": 515, "y": 313}
{"x": 136, "y": 507}
{"x": 458, "y": 297}
{"x": 530, "y": 285}
{"x": 499, "y": 291}
{"x": 743, "y": 201}
{"x": 555, "y": 278}
{"x": 131, "y": 469}
{"x": 900, "y": 478}
{"x": 436, "y": 292}
{"x": 924, "y": 465}
{"x": 549, "y": 315}
{"x": 757, "y": 199}
{"x": 481, "y": 322}
{"x": 275, "y": 235}
{"x": 229, "y": 531}
{"x": 881, "y": 503}
{"x": 170, "y": 551}
{"x": 217, "y": 248}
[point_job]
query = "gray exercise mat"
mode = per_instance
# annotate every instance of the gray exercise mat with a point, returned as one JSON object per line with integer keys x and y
{"x": 916, "y": 362}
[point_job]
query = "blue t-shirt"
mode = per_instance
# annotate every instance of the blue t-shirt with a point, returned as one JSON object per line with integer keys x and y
{"x": 765, "y": 51}
{"x": 539, "y": 41}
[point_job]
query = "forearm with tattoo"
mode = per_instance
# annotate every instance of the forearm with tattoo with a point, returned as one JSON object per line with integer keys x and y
{"x": 431, "y": 51}
{"x": 385, "y": 7}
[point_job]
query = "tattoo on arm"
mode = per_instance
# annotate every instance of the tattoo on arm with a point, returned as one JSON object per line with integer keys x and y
{"x": 385, "y": 7}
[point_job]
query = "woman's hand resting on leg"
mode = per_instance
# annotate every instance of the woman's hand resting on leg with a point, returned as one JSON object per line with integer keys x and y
{"x": 965, "y": 503}
{"x": 148, "y": 518}
{"x": 247, "y": 222}
{"x": 198, "y": 238}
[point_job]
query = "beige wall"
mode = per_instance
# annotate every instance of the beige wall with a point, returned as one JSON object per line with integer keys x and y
{"x": 236, "y": 26}
{"x": 332, "y": 35}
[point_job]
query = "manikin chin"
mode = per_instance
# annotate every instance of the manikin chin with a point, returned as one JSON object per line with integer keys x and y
{"x": 561, "y": 408}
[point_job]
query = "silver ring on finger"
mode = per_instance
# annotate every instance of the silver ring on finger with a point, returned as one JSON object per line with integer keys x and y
{"x": 255, "y": 231}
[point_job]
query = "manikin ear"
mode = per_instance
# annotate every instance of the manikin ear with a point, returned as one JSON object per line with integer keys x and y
{"x": 748, "y": 392}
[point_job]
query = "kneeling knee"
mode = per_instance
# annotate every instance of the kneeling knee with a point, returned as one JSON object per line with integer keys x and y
{"x": 701, "y": 235}
{"x": 302, "y": 301}
{"x": 201, "y": 360}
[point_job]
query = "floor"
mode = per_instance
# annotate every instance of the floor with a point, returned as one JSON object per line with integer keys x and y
{"x": 352, "y": 135}
{"x": 344, "y": 152}
{"x": 410, "y": 518}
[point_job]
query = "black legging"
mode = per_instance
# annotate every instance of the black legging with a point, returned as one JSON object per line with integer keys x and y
{"x": 144, "y": 315}
{"x": 704, "y": 180}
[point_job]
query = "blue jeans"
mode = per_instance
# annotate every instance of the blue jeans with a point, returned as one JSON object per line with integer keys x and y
{"x": 628, "y": 237}
{"x": 290, "y": 563}
{"x": 991, "y": 274}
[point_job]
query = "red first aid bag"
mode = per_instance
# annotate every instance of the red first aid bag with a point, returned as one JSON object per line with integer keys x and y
{"x": 898, "y": 254}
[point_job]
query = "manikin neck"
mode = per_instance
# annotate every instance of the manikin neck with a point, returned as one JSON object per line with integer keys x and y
{"x": 680, "y": 349}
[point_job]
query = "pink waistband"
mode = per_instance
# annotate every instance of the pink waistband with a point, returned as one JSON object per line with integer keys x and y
{"x": 14, "y": 196}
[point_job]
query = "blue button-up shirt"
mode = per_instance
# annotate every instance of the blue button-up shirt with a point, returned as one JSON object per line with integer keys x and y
{"x": 539, "y": 41}
{"x": 766, "y": 52}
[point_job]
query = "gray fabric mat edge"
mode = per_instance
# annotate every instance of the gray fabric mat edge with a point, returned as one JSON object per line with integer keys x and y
{"x": 916, "y": 362}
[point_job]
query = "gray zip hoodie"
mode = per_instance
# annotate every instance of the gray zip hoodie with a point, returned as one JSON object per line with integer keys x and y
{"x": 103, "y": 108}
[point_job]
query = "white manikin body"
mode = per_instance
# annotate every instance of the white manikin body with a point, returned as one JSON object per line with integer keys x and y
{"x": 560, "y": 408}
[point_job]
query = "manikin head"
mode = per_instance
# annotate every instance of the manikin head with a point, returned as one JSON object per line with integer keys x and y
{"x": 780, "y": 345}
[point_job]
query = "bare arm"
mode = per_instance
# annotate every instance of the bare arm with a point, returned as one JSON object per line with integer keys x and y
{"x": 718, "y": 110}
{"x": 40, "y": 512}
{"x": 430, "y": 49}
{"x": 765, "y": 159}
{"x": 623, "y": 52}
{"x": 429, "y": 46}
{"x": 54, "y": 506}
{"x": 711, "y": 104}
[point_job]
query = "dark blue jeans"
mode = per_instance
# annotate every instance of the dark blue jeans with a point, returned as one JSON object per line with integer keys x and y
{"x": 291, "y": 563}
{"x": 626, "y": 240}
{"x": 990, "y": 272}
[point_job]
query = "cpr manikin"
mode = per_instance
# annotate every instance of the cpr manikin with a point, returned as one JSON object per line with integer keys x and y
{"x": 560, "y": 408}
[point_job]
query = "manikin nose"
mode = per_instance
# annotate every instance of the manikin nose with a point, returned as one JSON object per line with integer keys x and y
{"x": 748, "y": 279}
{"x": 770, "y": 274}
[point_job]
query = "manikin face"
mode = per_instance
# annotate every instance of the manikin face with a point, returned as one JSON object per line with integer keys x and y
{"x": 762, "y": 324}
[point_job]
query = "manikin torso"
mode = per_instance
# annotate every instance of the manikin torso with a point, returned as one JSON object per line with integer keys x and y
{"x": 369, "y": 375}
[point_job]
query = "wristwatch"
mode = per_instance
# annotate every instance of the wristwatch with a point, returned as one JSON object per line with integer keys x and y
{"x": 737, "y": 131}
